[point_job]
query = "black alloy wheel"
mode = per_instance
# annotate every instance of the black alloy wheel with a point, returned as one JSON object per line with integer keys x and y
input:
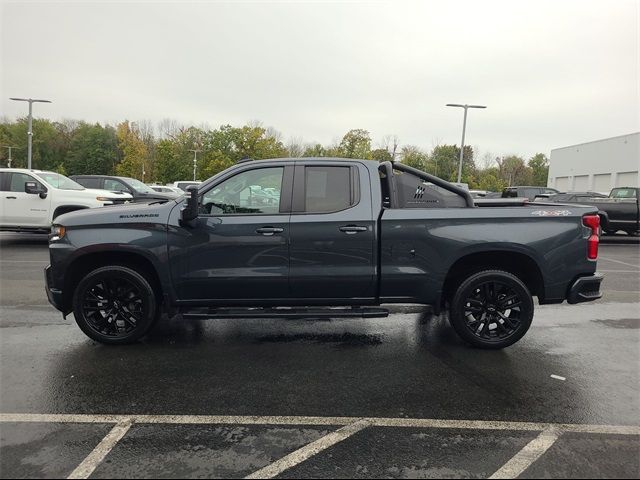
{"x": 492, "y": 309}
{"x": 114, "y": 305}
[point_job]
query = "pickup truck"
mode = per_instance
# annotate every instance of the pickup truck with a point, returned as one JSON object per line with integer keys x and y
{"x": 31, "y": 199}
{"x": 620, "y": 211}
{"x": 344, "y": 237}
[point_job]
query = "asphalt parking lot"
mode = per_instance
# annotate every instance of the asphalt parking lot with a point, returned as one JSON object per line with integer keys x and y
{"x": 399, "y": 397}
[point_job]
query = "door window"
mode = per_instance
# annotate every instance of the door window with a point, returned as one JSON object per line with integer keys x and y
{"x": 252, "y": 192}
{"x": 115, "y": 185}
{"x": 328, "y": 189}
{"x": 19, "y": 179}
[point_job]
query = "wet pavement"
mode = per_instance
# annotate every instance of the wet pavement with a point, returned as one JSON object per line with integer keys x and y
{"x": 407, "y": 366}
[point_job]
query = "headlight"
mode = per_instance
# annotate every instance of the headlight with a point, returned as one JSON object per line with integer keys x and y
{"x": 57, "y": 232}
{"x": 104, "y": 199}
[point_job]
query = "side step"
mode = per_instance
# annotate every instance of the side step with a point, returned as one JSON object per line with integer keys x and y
{"x": 287, "y": 312}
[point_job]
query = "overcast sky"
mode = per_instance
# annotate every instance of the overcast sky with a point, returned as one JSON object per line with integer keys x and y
{"x": 551, "y": 73}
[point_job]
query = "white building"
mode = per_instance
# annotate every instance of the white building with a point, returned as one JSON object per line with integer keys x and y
{"x": 596, "y": 166}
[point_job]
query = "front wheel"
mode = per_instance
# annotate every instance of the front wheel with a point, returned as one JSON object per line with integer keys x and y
{"x": 491, "y": 309}
{"x": 114, "y": 305}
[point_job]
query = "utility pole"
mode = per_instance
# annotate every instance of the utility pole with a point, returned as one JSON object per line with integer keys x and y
{"x": 195, "y": 160}
{"x": 464, "y": 127}
{"x": 9, "y": 148}
{"x": 29, "y": 129}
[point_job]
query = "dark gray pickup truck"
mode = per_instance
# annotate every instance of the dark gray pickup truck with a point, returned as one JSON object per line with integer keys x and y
{"x": 322, "y": 237}
{"x": 619, "y": 211}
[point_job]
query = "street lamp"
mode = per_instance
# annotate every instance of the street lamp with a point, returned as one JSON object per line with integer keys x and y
{"x": 464, "y": 127}
{"x": 29, "y": 131}
{"x": 195, "y": 159}
{"x": 9, "y": 147}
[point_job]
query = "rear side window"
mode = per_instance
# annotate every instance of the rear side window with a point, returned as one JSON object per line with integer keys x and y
{"x": 89, "y": 182}
{"x": 329, "y": 189}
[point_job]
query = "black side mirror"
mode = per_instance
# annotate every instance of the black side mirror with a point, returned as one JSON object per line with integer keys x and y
{"x": 33, "y": 189}
{"x": 190, "y": 211}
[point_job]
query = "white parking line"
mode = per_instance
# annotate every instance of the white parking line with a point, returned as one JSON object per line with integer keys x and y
{"x": 308, "y": 451}
{"x": 529, "y": 454}
{"x": 318, "y": 421}
{"x": 99, "y": 453}
{"x": 617, "y": 261}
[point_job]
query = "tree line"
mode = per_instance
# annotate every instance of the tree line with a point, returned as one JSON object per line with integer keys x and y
{"x": 163, "y": 152}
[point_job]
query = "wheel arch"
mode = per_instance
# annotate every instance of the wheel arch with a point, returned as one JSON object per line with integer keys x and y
{"x": 519, "y": 264}
{"x": 83, "y": 264}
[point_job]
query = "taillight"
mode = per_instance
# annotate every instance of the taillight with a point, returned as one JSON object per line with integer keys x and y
{"x": 593, "y": 222}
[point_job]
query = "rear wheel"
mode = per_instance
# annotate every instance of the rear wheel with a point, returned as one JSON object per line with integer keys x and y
{"x": 491, "y": 309}
{"x": 114, "y": 305}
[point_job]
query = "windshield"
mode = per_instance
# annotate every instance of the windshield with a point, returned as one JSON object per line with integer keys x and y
{"x": 139, "y": 186}
{"x": 60, "y": 181}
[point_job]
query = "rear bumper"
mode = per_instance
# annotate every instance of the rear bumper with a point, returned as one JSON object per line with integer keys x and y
{"x": 55, "y": 295}
{"x": 585, "y": 289}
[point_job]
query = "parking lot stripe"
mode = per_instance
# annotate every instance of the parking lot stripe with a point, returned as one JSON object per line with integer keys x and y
{"x": 98, "y": 454}
{"x": 529, "y": 454}
{"x": 617, "y": 261}
{"x": 309, "y": 450}
{"x": 317, "y": 421}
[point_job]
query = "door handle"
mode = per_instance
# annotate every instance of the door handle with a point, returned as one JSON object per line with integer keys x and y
{"x": 12, "y": 198}
{"x": 351, "y": 229}
{"x": 268, "y": 231}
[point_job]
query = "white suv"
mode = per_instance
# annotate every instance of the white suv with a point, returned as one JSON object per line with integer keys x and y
{"x": 31, "y": 199}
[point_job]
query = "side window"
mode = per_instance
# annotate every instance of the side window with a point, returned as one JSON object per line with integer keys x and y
{"x": 254, "y": 192}
{"x": 113, "y": 185}
{"x": 4, "y": 181}
{"x": 328, "y": 189}
{"x": 89, "y": 182}
{"x": 18, "y": 180}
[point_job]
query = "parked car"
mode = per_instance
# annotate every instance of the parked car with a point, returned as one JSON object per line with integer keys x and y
{"x": 31, "y": 199}
{"x": 618, "y": 211}
{"x": 138, "y": 190}
{"x": 183, "y": 185}
{"x": 527, "y": 192}
{"x": 167, "y": 189}
{"x": 347, "y": 234}
{"x": 573, "y": 197}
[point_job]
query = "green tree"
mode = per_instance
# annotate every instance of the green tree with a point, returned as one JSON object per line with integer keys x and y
{"x": 414, "y": 157}
{"x": 356, "y": 144}
{"x": 513, "y": 171}
{"x": 134, "y": 151}
{"x": 93, "y": 150}
{"x": 315, "y": 150}
{"x": 444, "y": 161}
{"x": 381, "y": 154}
{"x": 539, "y": 165}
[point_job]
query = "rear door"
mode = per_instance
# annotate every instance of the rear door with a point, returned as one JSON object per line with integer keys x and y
{"x": 332, "y": 232}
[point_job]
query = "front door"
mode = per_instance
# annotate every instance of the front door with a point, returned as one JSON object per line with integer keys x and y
{"x": 238, "y": 247}
{"x": 332, "y": 233}
{"x": 24, "y": 209}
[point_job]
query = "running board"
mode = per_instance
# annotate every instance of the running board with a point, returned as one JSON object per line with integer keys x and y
{"x": 286, "y": 312}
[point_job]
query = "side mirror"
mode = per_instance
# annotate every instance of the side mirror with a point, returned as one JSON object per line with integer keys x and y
{"x": 33, "y": 189}
{"x": 190, "y": 211}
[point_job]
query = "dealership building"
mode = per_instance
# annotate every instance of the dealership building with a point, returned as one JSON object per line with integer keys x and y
{"x": 596, "y": 166}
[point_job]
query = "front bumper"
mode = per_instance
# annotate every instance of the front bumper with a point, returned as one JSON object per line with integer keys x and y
{"x": 585, "y": 289}
{"x": 55, "y": 295}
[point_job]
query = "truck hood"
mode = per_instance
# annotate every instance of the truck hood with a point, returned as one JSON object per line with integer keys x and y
{"x": 152, "y": 213}
{"x": 96, "y": 192}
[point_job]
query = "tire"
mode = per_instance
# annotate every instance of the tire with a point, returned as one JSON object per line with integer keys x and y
{"x": 491, "y": 309}
{"x": 114, "y": 305}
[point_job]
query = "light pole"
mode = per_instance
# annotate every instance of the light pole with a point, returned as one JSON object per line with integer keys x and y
{"x": 195, "y": 159}
{"x": 9, "y": 159}
{"x": 29, "y": 131}
{"x": 464, "y": 127}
